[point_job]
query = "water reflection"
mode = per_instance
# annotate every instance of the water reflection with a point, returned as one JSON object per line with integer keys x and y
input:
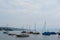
{"x": 45, "y": 37}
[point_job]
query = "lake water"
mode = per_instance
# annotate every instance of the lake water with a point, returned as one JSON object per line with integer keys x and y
{"x": 32, "y": 37}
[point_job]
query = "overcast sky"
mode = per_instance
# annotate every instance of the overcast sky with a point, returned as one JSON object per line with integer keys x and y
{"x": 23, "y": 12}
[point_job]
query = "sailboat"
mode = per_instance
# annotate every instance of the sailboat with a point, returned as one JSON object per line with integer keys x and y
{"x": 45, "y": 33}
{"x": 5, "y": 31}
{"x": 30, "y": 32}
{"x": 24, "y": 31}
{"x": 35, "y": 31}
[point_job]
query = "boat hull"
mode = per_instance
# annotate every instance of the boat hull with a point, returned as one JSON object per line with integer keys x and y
{"x": 23, "y": 35}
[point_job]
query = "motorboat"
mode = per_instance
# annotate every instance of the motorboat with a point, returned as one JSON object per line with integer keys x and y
{"x": 22, "y": 35}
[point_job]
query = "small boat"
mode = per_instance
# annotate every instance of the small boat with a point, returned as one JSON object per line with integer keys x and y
{"x": 35, "y": 31}
{"x": 11, "y": 34}
{"x": 30, "y": 32}
{"x": 5, "y": 32}
{"x": 23, "y": 32}
{"x": 22, "y": 35}
{"x": 53, "y": 33}
{"x": 58, "y": 33}
{"x": 46, "y": 33}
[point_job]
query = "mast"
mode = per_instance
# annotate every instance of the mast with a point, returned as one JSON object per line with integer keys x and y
{"x": 29, "y": 28}
{"x": 44, "y": 27}
{"x": 7, "y": 27}
{"x": 22, "y": 27}
{"x": 35, "y": 27}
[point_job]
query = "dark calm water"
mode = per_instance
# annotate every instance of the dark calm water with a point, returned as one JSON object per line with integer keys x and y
{"x": 32, "y": 37}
